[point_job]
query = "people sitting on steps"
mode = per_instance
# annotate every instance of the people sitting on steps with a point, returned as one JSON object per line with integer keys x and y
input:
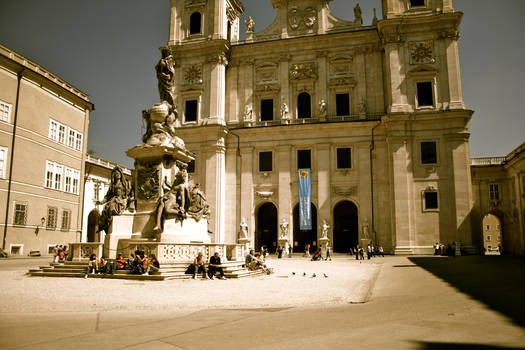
{"x": 199, "y": 266}
{"x": 216, "y": 266}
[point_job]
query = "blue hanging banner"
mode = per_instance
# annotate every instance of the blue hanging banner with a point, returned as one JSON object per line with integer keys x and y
{"x": 305, "y": 206}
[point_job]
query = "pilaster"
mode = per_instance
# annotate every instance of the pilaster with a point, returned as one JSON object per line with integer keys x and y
{"x": 283, "y": 161}
{"x": 246, "y": 200}
{"x": 323, "y": 182}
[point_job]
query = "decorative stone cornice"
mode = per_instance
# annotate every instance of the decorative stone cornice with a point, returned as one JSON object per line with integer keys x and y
{"x": 449, "y": 34}
{"x": 338, "y": 82}
{"x": 393, "y": 38}
{"x": 273, "y": 87}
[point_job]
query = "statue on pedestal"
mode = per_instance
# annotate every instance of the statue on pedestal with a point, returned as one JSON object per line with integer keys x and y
{"x": 116, "y": 200}
{"x": 243, "y": 229}
{"x": 250, "y": 25}
{"x": 324, "y": 229}
{"x": 322, "y": 108}
{"x": 284, "y": 111}
{"x": 166, "y": 77}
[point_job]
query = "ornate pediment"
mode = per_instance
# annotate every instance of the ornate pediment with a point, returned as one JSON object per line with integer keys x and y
{"x": 271, "y": 87}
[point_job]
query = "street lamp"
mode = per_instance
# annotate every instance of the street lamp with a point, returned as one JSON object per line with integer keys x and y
{"x": 37, "y": 229}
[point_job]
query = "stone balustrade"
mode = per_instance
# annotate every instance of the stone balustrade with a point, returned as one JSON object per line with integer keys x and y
{"x": 484, "y": 161}
{"x": 166, "y": 252}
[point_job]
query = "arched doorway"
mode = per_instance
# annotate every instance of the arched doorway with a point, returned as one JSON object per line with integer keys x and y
{"x": 492, "y": 234}
{"x": 92, "y": 225}
{"x": 304, "y": 105}
{"x": 266, "y": 232}
{"x": 346, "y": 227}
{"x": 301, "y": 237}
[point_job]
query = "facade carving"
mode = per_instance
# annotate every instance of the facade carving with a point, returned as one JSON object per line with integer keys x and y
{"x": 422, "y": 52}
{"x": 193, "y": 74}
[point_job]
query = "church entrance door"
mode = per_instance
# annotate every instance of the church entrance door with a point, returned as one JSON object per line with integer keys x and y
{"x": 92, "y": 225}
{"x": 266, "y": 233}
{"x": 346, "y": 229}
{"x": 302, "y": 237}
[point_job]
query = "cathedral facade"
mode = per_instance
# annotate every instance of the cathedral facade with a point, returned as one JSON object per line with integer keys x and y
{"x": 374, "y": 111}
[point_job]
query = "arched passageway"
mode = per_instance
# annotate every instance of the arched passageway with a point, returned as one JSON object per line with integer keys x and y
{"x": 92, "y": 225}
{"x": 304, "y": 237}
{"x": 492, "y": 234}
{"x": 346, "y": 227}
{"x": 266, "y": 232}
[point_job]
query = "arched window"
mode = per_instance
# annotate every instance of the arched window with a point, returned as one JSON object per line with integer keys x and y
{"x": 304, "y": 109}
{"x": 195, "y": 23}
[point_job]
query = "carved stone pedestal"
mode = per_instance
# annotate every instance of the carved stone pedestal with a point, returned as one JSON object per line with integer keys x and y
{"x": 245, "y": 242}
{"x": 121, "y": 228}
{"x": 283, "y": 242}
{"x": 323, "y": 243}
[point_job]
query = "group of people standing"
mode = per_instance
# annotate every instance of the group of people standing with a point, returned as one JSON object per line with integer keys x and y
{"x": 60, "y": 253}
{"x": 371, "y": 251}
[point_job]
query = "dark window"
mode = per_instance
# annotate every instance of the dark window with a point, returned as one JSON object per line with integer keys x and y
{"x": 20, "y": 216}
{"x": 265, "y": 161}
{"x": 195, "y": 23}
{"x": 344, "y": 158}
{"x": 191, "y": 111}
{"x": 415, "y": 3}
{"x": 304, "y": 109}
{"x": 342, "y": 102}
{"x": 229, "y": 31}
{"x": 428, "y": 152}
{"x": 191, "y": 167}
{"x": 304, "y": 159}
{"x": 494, "y": 192}
{"x": 424, "y": 94}
{"x": 431, "y": 200}
{"x": 266, "y": 110}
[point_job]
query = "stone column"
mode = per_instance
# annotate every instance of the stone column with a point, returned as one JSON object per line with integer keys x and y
{"x": 323, "y": 183}
{"x": 285, "y": 84}
{"x": 402, "y": 194}
{"x": 217, "y": 93}
{"x": 246, "y": 200}
{"x": 321, "y": 83}
{"x": 283, "y": 166}
{"x": 396, "y": 87}
{"x": 457, "y": 144}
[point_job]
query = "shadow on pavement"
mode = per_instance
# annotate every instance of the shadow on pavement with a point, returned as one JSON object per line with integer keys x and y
{"x": 497, "y": 281}
{"x": 456, "y": 346}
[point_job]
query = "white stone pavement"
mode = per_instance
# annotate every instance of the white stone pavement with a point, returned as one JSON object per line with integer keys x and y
{"x": 347, "y": 281}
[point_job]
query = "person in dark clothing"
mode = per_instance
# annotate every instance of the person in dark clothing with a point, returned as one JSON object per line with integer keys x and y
{"x": 215, "y": 266}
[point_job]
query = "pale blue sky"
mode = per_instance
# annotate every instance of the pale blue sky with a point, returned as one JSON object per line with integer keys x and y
{"x": 108, "y": 49}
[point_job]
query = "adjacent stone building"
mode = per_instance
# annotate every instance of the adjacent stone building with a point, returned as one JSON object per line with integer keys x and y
{"x": 43, "y": 132}
{"x": 375, "y": 111}
{"x": 498, "y": 187}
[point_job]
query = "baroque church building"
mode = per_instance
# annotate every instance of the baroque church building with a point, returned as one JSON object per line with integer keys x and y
{"x": 375, "y": 111}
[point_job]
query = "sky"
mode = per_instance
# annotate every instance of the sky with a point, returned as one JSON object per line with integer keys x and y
{"x": 109, "y": 48}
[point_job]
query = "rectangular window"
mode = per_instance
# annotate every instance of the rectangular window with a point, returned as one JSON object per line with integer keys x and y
{"x": 5, "y": 111}
{"x": 51, "y": 248}
{"x": 342, "y": 104}
{"x": 20, "y": 217}
{"x": 191, "y": 111}
{"x": 428, "y": 152}
{"x": 344, "y": 158}
{"x": 59, "y": 169}
{"x": 52, "y": 217}
{"x": 53, "y": 130}
{"x": 431, "y": 200}
{"x": 3, "y": 162}
{"x": 416, "y": 3}
{"x": 78, "y": 142}
{"x": 266, "y": 110}
{"x": 191, "y": 167}
{"x": 425, "y": 97}
{"x": 494, "y": 192}
{"x": 304, "y": 159}
{"x": 50, "y": 174}
{"x": 265, "y": 161}
{"x": 487, "y": 227}
{"x": 16, "y": 249}
{"x": 489, "y": 238}
{"x": 499, "y": 238}
{"x": 62, "y": 134}
{"x": 68, "y": 180}
{"x": 76, "y": 181}
{"x": 497, "y": 227}
{"x": 66, "y": 219}
{"x": 71, "y": 138}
